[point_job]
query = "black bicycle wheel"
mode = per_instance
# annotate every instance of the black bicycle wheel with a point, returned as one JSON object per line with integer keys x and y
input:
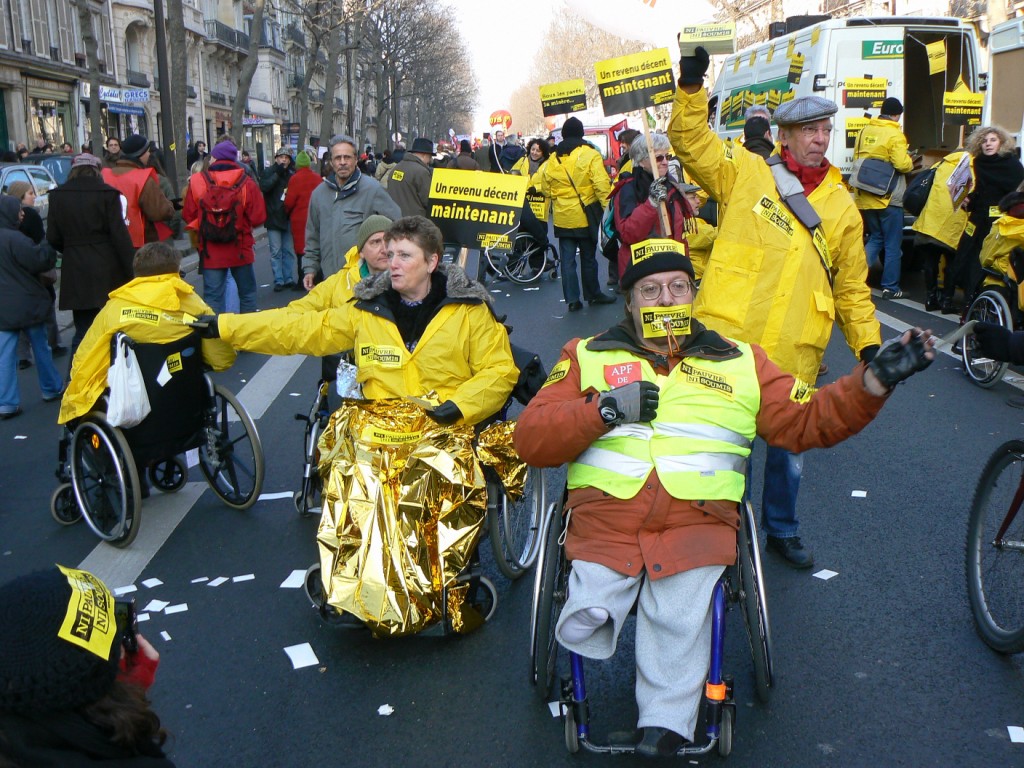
{"x": 995, "y": 550}
{"x": 755, "y": 605}
{"x": 549, "y": 597}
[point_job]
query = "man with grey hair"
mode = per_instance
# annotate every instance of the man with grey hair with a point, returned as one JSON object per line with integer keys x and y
{"x": 757, "y": 110}
{"x": 336, "y": 210}
{"x": 789, "y": 258}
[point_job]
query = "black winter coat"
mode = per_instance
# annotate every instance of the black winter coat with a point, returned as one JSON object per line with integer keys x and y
{"x": 273, "y": 184}
{"x": 25, "y": 301}
{"x": 86, "y": 225}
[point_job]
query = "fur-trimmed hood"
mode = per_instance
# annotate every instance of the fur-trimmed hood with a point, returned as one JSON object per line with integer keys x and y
{"x": 458, "y": 286}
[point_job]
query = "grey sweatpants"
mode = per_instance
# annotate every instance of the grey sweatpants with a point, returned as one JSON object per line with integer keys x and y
{"x": 673, "y": 635}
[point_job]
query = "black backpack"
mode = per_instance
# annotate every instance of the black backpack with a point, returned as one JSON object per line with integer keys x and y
{"x": 916, "y": 196}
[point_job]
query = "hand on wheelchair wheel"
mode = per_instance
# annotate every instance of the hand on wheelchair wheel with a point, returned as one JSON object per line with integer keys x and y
{"x": 999, "y": 343}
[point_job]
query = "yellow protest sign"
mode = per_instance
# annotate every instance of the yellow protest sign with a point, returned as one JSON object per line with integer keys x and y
{"x": 796, "y": 68}
{"x": 753, "y": 59}
{"x": 770, "y": 56}
{"x": 647, "y": 248}
{"x": 538, "y": 204}
{"x": 636, "y": 81}
{"x": 815, "y": 34}
{"x": 853, "y": 127}
{"x": 736, "y": 65}
{"x": 563, "y": 98}
{"x": 477, "y": 210}
{"x": 936, "y": 57}
{"x": 714, "y": 38}
{"x": 791, "y": 48}
{"x": 89, "y": 622}
{"x": 864, "y": 92}
{"x": 962, "y": 107}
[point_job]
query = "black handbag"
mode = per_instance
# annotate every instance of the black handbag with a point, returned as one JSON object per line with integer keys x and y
{"x": 877, "y": 177}
{"x": 916, "y": 196}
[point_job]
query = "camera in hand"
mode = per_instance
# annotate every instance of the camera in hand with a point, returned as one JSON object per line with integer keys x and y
{"x": 127, "y": 624}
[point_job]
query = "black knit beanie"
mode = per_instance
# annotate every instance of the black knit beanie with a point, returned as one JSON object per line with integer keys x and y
{"x": 572, "y": 129}
{"x": 41, "y": 671}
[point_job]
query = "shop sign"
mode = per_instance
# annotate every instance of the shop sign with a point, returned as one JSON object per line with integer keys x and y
{"x": 135, "y": 95}
{"x": 106, "y": 93}
{"x": 252, "y": 121}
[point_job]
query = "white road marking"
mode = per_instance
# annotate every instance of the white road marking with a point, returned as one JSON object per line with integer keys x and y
{"x": 263, "y": 388}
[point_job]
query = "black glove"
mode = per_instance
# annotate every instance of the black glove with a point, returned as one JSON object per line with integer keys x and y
{"x": 868, "y": 353}
{"x": 659, "y": 190}
{"x": 446, "y": 413}
{"x": 206, "y": 325}
{"x": 992, "y": 340}
{"x": 896, "y": 361}
{"x": 634, "y": 402}
{"x": 693, "y": 68}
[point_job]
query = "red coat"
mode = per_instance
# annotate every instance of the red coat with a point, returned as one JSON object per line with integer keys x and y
{"x": 253, "y": 214}
{"x": 637, "y": 220}
{"x": 296, "y": 204}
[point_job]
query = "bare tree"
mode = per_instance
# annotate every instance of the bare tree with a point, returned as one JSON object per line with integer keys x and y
{"x": 92, "y": 62}
{"x": 178, "y": 50}
{"x": 247, "y": 71}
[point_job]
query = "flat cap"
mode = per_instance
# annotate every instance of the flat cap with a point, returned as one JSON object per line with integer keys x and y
{"x": 806, "y": 109}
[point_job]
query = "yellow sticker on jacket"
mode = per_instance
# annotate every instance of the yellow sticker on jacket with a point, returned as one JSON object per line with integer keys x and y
{"x": 380, "y": 436}
{"x": 994, "y": 212}
{"x": 89, "y": 622}
{"x": 654, "y": 320}
{"x": 382, "y": 355}
{"x": 969, "y": 229}
{"x": 559, "y": 372}
{"x": 774, "y": 214}
{"x": 708, "y": 379}
{"x": 174, "y": 363}
{"x": 801, "y": 391}
{"x": 397, "y": 175}
{"x": 140, "y": 315}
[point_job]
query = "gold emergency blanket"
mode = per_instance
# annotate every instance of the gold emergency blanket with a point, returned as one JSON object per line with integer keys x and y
{"x": 404, "y": 503}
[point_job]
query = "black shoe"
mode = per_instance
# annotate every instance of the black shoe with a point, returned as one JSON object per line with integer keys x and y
{"x": 888, "y": 294}
{"x": 948, "y": 307}
{"x": 604, "y": 298}
{"x": 659, "y": 742}
{"x": 23, "y": 364}
{"x": 932, "y": 303}
{"x": 792, "y": 551}
{"x": 58, "y": 396}
{"x": 575, "y": 306}
{"x": 278, "y": 287}
{"x": 58, "y": 351}
{"x": 10, "y": 414}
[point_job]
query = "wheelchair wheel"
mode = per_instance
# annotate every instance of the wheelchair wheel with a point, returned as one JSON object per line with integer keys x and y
{"x": 989, "y": 307}
{"x": 755, "y": 606}
{"x": 515, "y": 525}
{"x": 332, "y": 617}
{"x": 725, "y": 732}
{"x": 307, "y": 498}
{"x": 105, "y": 481}
{"x": 527, "y": 261}
{"x": 484, "y": 597}
{"x": 231, "y": 456}
{"x": 168, "y": 475}
{"x": 572, "y": 737}
{"x": 63, "y": 507}
{"x": 995, "y": 550}
{"x": 548, "y": 598}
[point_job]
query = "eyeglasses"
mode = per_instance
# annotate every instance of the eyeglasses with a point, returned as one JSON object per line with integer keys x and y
{"x": 660, "y": 158}
{"x": 814, "y": 130}
{"x": 677, "y": 288}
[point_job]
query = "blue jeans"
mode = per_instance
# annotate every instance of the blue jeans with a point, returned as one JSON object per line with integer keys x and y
{"x": 282, "y": 256}
{"x": 213, "y": 287}
{"x": 782, "y": 471}
{"x": 885, "y": 234}
{"x": 588, "y": 268}
{"x": 50, "y": 382}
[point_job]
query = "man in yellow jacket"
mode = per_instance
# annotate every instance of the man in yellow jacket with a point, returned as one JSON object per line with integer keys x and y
{"x": 770, "y": 280}
{"x": 882, "y": 139}
{"x": 167, "y": 305}
{"x": 574, "y": 177}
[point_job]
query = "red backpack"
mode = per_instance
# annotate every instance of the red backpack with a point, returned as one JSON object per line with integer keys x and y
{"x": 219, "y": 210}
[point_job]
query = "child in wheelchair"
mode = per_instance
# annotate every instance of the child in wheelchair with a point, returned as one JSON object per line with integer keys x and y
{"x": 655, "y": 418}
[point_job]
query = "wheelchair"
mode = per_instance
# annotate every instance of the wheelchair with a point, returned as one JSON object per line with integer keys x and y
{"x": 532, "y": 254}
{"x": 994, "y": 302}
{"x": 99, "y": 465}
{"x": 741, "y": 584}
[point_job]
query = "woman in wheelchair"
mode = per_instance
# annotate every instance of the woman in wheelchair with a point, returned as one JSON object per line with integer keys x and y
{"x": 154, "y": 308}
{"x": 1003, "y": 253}
{"x": 655, "y": 418}
{"x": 420, "y": 330}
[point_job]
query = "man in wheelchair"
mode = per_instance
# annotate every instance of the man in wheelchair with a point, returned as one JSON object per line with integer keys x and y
{"x": 655, "y": 418}
{"x": 154, "y": 308}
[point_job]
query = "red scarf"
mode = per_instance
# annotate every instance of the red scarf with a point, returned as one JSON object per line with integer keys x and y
{"x": 809, "y": 177}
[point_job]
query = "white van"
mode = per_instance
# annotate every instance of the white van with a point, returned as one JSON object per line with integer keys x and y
{"x": 857, "y": 63}
{"x": 1005, "y": 92}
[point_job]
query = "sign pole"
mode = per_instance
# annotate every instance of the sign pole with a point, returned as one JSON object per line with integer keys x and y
{"x": 666, "y": 226}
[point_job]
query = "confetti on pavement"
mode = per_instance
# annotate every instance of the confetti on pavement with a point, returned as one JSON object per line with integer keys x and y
{"x": 217, "y": 582}
{"x": 246, "y": 577}
{"x": 166, "y": 636}
{"x": 179, "y": 608}
{"x": 150, "y": 583}
{"x": 1016, "y": 734}
{"x": 301, "y": 655}
{"x": 156, "y": 606}
{"x": 385, "y": 710}
{"x": 294, "y": 580}
{"x": 859, "y": 494}
{"x": 124, "y": 590}
{"x": 825, "y": 574}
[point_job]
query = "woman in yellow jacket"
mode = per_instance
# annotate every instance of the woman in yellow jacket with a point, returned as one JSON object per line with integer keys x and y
{"x": 574, "y": 177}
{"x": 417, "y": 328}
{"x": 1006, "y": 235}
{"x": 168, "y": 304}
{"x": 939, "y": 228}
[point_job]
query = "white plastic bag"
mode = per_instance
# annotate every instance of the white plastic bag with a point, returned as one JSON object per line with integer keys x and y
{"x": 128, "y": 403}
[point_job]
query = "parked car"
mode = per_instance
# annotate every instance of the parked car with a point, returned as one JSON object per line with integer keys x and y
{"x": 59, "y": 166}
{"x": 36, "y": 175}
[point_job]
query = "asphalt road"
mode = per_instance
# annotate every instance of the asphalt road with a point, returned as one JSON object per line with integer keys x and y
{"x": 878, "y": 665}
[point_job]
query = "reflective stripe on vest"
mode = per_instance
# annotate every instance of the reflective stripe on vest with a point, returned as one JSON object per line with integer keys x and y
{"x": 698, "y": 443}
{"x": 130, "y": 185}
